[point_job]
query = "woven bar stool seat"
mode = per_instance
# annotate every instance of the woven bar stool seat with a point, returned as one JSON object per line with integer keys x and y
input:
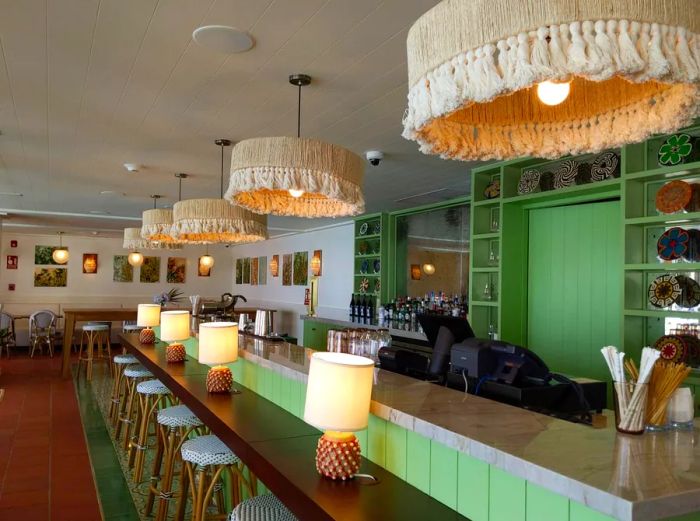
{"x": 152, "y": 387}
{"x": 131, "y": 328}
{"x": 175, "y": 425}
{"x": 125, "y": 359}
{"x": 97, "y": 336}
{"x": 261, "y": 508}
{"x": 137, "y": 371}
{"x": 208, "y": 450}
{"x": 95, "y": 327}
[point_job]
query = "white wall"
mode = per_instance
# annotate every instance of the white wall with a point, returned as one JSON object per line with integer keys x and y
{"x": 99, "y": 290}
{"x": 335, "y": 284}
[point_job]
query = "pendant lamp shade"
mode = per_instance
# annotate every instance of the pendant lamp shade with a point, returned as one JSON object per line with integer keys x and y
{"x": 633, "y": 68}
{"x": 264, "y": 170}
{"x": 156, "y": 225}
{"x": 206, "y": 221}
{"x": 134, "y": 241}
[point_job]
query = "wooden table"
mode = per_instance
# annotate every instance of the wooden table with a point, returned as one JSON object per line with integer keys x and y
{"x": 279, "y": 449}
{"x": 73, "y": 315}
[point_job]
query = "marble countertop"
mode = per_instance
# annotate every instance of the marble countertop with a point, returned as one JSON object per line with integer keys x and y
{"x": 631, "y": 478}
{"x": 413, "y": 335}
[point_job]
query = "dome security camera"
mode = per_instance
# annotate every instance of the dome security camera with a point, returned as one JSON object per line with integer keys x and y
{"x": 374, "y": 157}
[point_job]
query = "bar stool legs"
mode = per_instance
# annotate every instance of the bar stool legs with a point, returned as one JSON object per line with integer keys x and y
{"x": 119, "y": 385}
{"x": 152, "y": 396}
{"x": 97, "y": 336}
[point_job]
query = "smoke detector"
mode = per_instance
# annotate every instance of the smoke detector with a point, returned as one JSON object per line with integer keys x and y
{"x": 132, "y": 167}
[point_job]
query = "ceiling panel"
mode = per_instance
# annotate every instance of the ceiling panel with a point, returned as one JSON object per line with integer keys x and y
{"x": 87, "y": 85}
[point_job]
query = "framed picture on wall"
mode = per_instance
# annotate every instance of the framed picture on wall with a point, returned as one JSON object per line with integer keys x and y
{"x": 89, "y": 262}
{"x": 262, "y": 271}
{"x": 150, "y": 270}
{"x": 301, "y": 268}
{"x": 287, "y": 269}
{"x": 246, "y": 270}
{"x": 254, "y": 271}
{"x": 175, "y": 273}
{"x": 122, "y": 270}
{"x": 50, "y": 277}
{"x": 12, "y": 262}
{"x": 239, "y": 271}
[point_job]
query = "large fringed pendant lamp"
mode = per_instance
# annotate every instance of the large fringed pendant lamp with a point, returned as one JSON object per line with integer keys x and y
{"x": 295, "y": 176}
{"x": 207, "y": 221}
{"x": 158, "y": 222}
{"x": 496, "y": 79}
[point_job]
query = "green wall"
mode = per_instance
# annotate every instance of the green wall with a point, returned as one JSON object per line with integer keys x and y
{"x": 575, "y": 285}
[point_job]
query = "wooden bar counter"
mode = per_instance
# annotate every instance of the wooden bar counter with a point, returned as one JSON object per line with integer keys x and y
{"x": 280, "y": 449}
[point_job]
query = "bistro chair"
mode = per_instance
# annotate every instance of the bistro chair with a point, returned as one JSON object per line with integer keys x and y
{"x": 261, "y": 508}
{"x": 42, "y": 330}
{"x": 7, "y": 329}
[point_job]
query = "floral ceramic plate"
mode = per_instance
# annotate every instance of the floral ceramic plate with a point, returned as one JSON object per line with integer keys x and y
{"x": 664, "y": 290}
{"x": 671, "y": 347}
{"x": 674, "y": 196}
{"x": 673, "y": 243}
{"x": 364, "y": 285}
{"x": 675, "y": 150}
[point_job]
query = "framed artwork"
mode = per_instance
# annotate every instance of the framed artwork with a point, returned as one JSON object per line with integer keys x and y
{"x": 150, "y": 270}
{"x": 203, "y": 271}
{"x": 275, "y": 266}
{"x": 50, "y": 277}
{"x": 13, "y": 243}
{"x": 43, "y": 254}
{"x": 89, "y": 262}
{"x": 246, "y": 270}
{"x": 254, "y": 271}
{"x": 415, "y": 271}
{"x": 11, "y": 286}
{"x": 122, "y": 271}
{"x": 239, "y": 271}
{"x": 262, "y": 271}
{"x": 12, "y": 262}
{"x": 177, "y": 267}
{"x": 301, "y": 268}
{"x": 317, "y": 263}
{"x": 287, "y": 269}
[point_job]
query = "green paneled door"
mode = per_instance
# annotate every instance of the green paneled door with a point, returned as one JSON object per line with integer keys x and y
{"x": 574, "y": 285}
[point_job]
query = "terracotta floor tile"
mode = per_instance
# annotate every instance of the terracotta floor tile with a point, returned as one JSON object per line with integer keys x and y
{"x": 24, "y": 498}
{"x": 33, "y": 513}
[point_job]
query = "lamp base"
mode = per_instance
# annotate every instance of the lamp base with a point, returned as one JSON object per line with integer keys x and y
{"x": 219, "y": 379}
{"x": 147, "y": 336}
{"x": 175, "y": 353}
{"x": 338, "y": 455}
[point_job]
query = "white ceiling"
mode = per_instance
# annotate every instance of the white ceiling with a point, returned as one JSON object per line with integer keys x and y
{"x": 87, "y": 85}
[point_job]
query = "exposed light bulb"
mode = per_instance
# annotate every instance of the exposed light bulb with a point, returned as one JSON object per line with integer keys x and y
{"x": 60, "y": 256}
{"x": 296, "y": 193}
{"x": 553, "y": 93}
{"x": 428, "y": 268}
{"x": 206, "y": 260}
{"x": 135, "y": 258}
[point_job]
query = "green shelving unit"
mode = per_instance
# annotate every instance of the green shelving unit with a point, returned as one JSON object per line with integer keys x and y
{"x": 371, "y": 245}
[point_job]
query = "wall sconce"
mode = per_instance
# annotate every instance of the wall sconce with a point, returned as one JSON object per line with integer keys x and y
{"x": 428, "y": 268}
{"x": 316, "y": 263}
{"x": 275, "y": 265}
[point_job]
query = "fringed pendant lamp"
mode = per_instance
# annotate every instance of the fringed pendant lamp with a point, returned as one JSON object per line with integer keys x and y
{"x": 295, "y": 176}
{"x": 207, "y": 221}
{"x": 496, "y": 79}
{"x": 158, "y": 222}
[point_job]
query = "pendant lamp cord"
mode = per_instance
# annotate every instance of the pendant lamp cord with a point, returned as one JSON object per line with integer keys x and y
{"x": 222, "y": 172}
{"x": 299, "y": 113}
{"x": 179, "y": 189}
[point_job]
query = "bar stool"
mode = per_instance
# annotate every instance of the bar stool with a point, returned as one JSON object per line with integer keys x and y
{"x": 175, "y": 425}
{"x": 261, "y": 508}
{"x": 119, "y": 363}
{"x": 153, "y": 395}
{"x": 129, "y": 406}
{"x": 130, "y": 327}
{"x": 96, "y": 335}
{"x": 209, "y": 457}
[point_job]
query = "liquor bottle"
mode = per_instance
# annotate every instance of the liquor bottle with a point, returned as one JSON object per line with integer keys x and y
{"x": 370, "y": 311}
{"x": 362, "y": 310}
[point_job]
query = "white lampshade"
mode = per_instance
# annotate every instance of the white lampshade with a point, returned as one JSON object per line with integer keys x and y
{"x": 339, "y": 391}
{"x": 218, "y": 343}
{"x": 174, "y": 325}
{"x": 148, "y": 315}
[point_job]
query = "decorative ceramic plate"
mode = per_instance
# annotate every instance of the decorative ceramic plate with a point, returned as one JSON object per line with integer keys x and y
{"x": 363, "y": 228}
{"x": 493, "y": 189}
{"x": 362, "y": 248}
{"x": 673, "y": 243}
{"x": 364, "y": 285}
{"x": 364, "y": 267}
{"x": 529, "y": 182}
{"x": 377, "y": 228}
{"x": 377, "y": 266}
{"x": 605, "y": 166}
{"x": 690, "y": 292}
{"x": 377, "y": 285}
{"x": 565, "y": 174}
{"x": 673, "y": 197}
{"x": 675, "y": 150}
{"x": 664, "y": 290}
{"x": 671, "y": 347}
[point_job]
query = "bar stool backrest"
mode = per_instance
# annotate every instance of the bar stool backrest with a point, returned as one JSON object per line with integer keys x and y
{"x": 42, "y": 322}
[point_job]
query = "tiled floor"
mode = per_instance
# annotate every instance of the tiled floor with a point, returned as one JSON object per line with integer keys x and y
{"x": 45, "y": 471}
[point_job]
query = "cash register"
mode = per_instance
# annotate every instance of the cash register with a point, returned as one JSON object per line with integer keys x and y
{"x": 494, "y": 369}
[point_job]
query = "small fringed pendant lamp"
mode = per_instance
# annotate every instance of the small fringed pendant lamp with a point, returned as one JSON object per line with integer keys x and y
{"x": 296, "y": 176}
{"x": 207, "y": 221}
{"x": 158, "y": 222}
{"x": 497, "y": 79}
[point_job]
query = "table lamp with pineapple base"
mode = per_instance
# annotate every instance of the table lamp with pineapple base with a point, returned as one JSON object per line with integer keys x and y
{"x": 147, "y": 316}
{"x": 337, "y": 402}
{"x": 218, "y": 344}
{"x": 174, "y": 328}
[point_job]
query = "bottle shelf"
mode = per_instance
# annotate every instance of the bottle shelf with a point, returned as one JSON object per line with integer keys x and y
{"x": 488, "y": 202}
{"x": 662, "y": 313}
{"x": 367, "y": 255}
{"x": 372, "y": 236}
{"x": 584, "y": 189}
{"x": 666, "y": 172}
{"x": 490, "y": 269}
{"x": 675, "y": 218}
{"x": 368, "y": 274}
{"x": 666, "y": 266}
{"x": 491, "y": 235}
{"x": 489, "y": 303}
